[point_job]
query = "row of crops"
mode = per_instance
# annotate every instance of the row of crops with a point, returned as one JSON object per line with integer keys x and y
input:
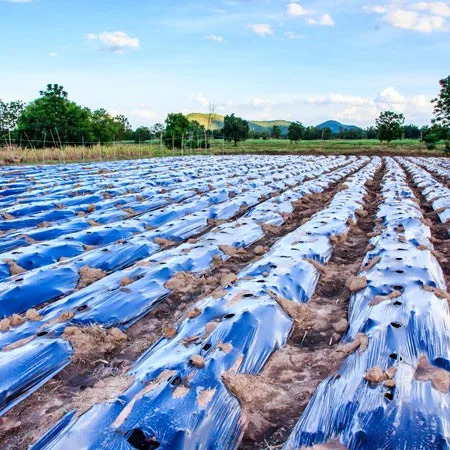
{"x": 103, "y": 246}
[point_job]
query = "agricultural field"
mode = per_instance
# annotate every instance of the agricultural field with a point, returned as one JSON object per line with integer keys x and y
{"x": 154, "y": 148}
{"x": 223, "y": 302}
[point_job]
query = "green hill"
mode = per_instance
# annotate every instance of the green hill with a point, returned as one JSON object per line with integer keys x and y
{"x": 255, "y": 125}
{"x": 202, "y": 119}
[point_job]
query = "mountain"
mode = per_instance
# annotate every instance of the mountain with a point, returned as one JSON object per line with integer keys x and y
{"x": 202, "y": 119}
{"x": 262, "y": 126}
{"x": 336, "y": 126}
{"x": 255, "y": 125}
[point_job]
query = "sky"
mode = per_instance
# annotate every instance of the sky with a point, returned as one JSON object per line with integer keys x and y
{"x": 311, "y": 61}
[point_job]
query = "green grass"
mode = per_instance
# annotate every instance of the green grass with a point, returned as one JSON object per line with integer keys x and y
{"x": 252, "y": 146}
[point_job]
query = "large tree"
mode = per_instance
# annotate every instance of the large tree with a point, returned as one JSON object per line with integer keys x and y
{"x": 105, "y": 128}
{"x": 235, "y": 129}
{"x": 275, "y": 132}
{"x": 442, "y": 104}
{"x": 125, "y": 132}
{"x": 296, "y": 131}
{"x": 53, "y": 119}
{"x": 390, "y": 126}
{"x": 179, "y": 132}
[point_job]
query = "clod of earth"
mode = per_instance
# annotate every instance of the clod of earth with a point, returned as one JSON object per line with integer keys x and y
{"x": 164, "y": 243}
{"x": 440, "y": 378}
{"x": 32, "y": 315}
{"x": 93, "y": 340}
{"x": 374, "y": 375}
{"x": 197, "y": 361}
{"x": 356, "y": 284}
{"x": 360, "y": 342}
{"x": 89, "y": 275}
{"x": 14, "y": 268}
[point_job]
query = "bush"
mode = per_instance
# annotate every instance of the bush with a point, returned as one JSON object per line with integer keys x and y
{"x": 430, "y": 140}
{"x": 447, "y": 148}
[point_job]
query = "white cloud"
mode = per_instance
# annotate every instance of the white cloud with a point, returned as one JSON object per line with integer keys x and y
{"x": 215, "y": 38}
{"x": 200, "y": 99}
{"x": 435, "y": 8}
{"x": 296, "y": 10}
{"x": 256, "y": 101}
{"x": 115, "y": 41}
{"x": 339, "y": 99}
{"x": 412, "y": 20}
{"x": 293, "y": 35}
{"x": 417, "y": 108}
{"x": 390, "y": 96}
{"x": 424, "y": 17}
{"x": 17, "y": 1}
{"x": 261, "y": 29}
{"x": 53, "y": 54}
{"x": 144, "y": 113}
{"x": 326, "y": 21}
{"x": 377, "y": 9}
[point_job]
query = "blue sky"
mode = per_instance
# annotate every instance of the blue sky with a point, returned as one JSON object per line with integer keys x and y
{"x": 266, "y": 59}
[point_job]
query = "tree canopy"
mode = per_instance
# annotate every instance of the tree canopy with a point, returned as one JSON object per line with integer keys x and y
{"x": 180, "y": 132}
{"x": 390, "y": 126}
{"x": 442, "y": 104}
{"x": 9, "y": 116}
{"x": 235, "y": 129}
{"x": 296, "y": 131}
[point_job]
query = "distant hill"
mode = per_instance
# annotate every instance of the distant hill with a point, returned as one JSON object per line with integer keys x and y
{"x": 255, "y": 125}
{"x": 336, "y": 126}
{"x": 202, "y": 119}
{"x": 264, "y": 125}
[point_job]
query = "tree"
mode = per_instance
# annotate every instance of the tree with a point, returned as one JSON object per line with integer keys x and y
{"x": 327, "y": 133}
{"x": 431, "y": 136}
{"x": 179, "y": 132}
{"x": 125, "y": 132}
{"x": 157, "y": 129}
{"x": 142, "y": 134}
{"x": 235, "y": 129}
{"x": 412, "y": 132}
{"x": 442, "y": 104}
{"x": 312, "y": 133}
{"x": 105, "y": 128}
{"x": 390, "y": 126}
{"x": 296, "y": 131}
{"x": 276, "y": 132}
{"x": 9, "y": 116}
{"x": 53, "y": 119}
{"x": 371, "y": 133}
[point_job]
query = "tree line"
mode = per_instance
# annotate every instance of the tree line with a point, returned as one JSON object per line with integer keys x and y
{"x": 54, "y": 120}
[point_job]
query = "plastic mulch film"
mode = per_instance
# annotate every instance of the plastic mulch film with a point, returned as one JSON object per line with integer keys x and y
{"x": 434, "y": 192}
{"x": 44, "y": 284}
{"x": 392, "y": 390}
{"x": 177, "y": 398}
{"x": 109, "y": 302}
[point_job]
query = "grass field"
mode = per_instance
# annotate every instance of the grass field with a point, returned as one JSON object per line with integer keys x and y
{"x": 251, "y": 146}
